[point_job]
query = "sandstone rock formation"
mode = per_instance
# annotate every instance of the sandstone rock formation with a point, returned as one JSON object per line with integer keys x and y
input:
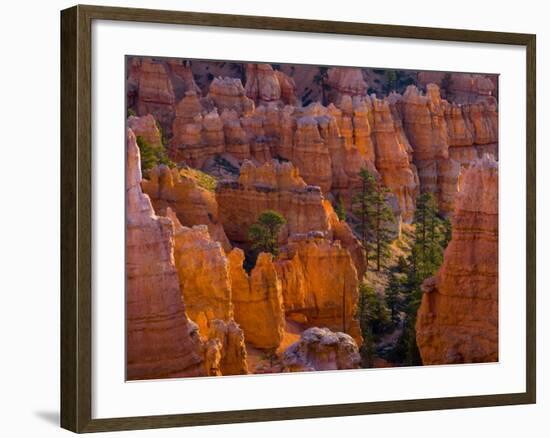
{"x": 444, "y": 134}
{"x": 257, "y": 300}
{"x": 229, "y": 93}
{"x": 192, "y": 204}
{"x": 155, "y": 94}
{"x": 264, "y": 85}
{"x": 203, "y": 274}
{"x": 319, "y": 284}
{"x": 205, "y": 284}
{"x": 345, "y": 81}
{"x": 272, "y": 186}
{"x": 458, "y": 319}
{"x": 461, "y": 88}
{"x": 226, "y": 340}
{"x": 319, "y": 349}
{"x": 161, "y": 341}
{"x": 146, "y": 127}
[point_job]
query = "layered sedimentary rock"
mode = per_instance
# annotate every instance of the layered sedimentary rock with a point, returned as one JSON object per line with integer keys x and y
{"x": 161, "y": 341}
{"x": 392, "y": 156}
{"x": 462, "y": 88}
{"x": 192, "y": 204}
{"x": 205, "y": 284}
{"x": 228, "y": 339}
{"x": 345, "y": 81}
{"x": 319, "y": 349}
{"x": 458, "y": 319}
{"x": 342, "y": 231}
{"x": 203, "y": 273}
{"x": 146, "y": 127}
{"x": 264, "y": 85}
{"x": 229, "y": 93}
{"x": 257, "y": 300}
{"x": 272, "y": 186}
{"x": 319, "y": 283}
{"x": 155, "y": 94}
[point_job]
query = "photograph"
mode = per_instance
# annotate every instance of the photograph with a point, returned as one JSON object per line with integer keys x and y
{"x": 292, "y": 218}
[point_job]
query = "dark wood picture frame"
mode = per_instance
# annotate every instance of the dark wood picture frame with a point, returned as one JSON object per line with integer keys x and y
{"x": 76, "y": 214}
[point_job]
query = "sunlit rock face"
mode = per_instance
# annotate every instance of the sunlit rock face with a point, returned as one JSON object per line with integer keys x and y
{"x": 204, "y": 275}
{"x": 226, "y": 348}
{"x": 458, "y": 319}
{"x": 320, "y": 349}
{"x": 319, "y": 284}
{"x": 205, "y": 284}
{"x": 161, "y": 341}
{"x": 257, "y": 300}
{"x": 445, "y": 137}
{"x": 192, "y": 204}
{"x": 272, "y": 186}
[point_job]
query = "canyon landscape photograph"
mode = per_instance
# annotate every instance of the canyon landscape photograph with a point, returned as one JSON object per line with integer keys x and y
{"x": 297, "y": 218}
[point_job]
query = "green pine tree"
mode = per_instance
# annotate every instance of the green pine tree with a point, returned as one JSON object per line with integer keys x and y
{"x": 375, "y": 217}
{"x": 393, "y": 298}
{"x": 263, "y": 234}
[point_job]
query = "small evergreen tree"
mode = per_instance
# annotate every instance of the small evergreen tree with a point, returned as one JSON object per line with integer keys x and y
{"x": 375, "y": 217}
{"x": 393, "y": 298}
{"x": 432, "y": 234}
{"x": 263, "y": 233}
{"x": 152, "y": 156}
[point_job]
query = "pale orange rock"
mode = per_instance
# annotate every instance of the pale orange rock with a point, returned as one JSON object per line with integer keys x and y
{"x": 461, "y": 88}
{"x": 320, "y": 349}
{"x": 205, "y": 283}
{"x": 342, "y": 231}
{"x": 155, "y": 93}
{"x": 263, "y": 85}
{"x": 392, "y": 156}
{"x": 160, "y": 340}
{"x": 231, "y": 346}
{"x": 203, "y": 272}
{"x": 192, "y": 204}
{"x": 236, "y": 139}
{"x": 271, "y": 186}
{"x": 229, "y": 93}
{"x": 320, "y": 284}
{"x": 458, "y": 319}
{"x": 424, "y": 123}
{"x": 146, "y": 127}
{"x": 345, "y": 81}
{"x": 257, "y": 300}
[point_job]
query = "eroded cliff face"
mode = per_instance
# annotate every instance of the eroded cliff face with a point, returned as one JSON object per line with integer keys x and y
{"x": 146, "y": 127}
{"x": 192, "y": 204}
{"x": 205, "y": 284}
{"x": 458, "y": 319}
{"x": 153, "y": 91}
{"x": 461, "y": 88}
{"x": 272, "y": 186}
{"x": 265, "y": 85}
{"x": 319, "y": 349}
{"x": 319, "y": 284}
{"x": 161, "y": 340}
{"x": 258, "y": 300}
{"x": 445, "y": 137}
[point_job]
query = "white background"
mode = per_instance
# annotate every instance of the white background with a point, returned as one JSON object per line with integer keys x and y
{"x": 112, "y": 397}
{"x": 29, "y": 325}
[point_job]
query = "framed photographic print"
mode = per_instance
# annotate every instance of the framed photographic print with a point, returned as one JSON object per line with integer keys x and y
{"x": 268, "y": 218}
